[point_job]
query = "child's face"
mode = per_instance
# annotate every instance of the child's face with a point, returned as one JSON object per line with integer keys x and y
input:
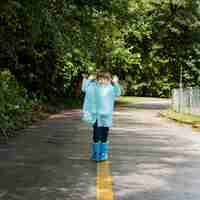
{"x": 104, "y": 81}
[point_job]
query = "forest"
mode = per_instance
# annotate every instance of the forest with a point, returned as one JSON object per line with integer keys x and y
{"x": 45, "y": 46}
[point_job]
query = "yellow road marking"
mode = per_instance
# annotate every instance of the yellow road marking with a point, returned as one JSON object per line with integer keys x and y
{"x": 103, "y": 182}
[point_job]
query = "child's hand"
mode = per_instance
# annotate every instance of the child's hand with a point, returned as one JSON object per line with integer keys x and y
{"x": 91, "y": 77}
{"x": 115, "y": 79}
{"x": 84, "y": 76}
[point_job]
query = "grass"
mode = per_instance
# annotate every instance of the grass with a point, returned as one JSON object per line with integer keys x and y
{"x": 182, "y": 118}
{"x": 39, "y": 115}
{"x": 41, "y": 112}
{"x": 73, "y": 103}
{"x": 77, "y": 103}
{"x": 129, "y": 99}
{"x": 139, "y": 99}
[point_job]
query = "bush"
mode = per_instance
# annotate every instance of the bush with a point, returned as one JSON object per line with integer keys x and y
{"x": 15, "y": 105}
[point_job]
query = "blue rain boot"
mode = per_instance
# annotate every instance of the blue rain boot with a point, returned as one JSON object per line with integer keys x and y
{"x": 96, "y": 148}
{"x": 104, "y": 151}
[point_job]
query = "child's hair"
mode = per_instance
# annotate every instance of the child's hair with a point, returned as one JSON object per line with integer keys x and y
{"x": 104, "y": 75}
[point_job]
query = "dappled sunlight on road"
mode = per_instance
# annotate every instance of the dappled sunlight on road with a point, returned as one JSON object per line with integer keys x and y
{"x": 151, "y": 158}
{"x": 68, "y": 113}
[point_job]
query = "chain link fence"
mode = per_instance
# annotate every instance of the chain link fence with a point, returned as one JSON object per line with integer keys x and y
{"x": 186, "y": 100}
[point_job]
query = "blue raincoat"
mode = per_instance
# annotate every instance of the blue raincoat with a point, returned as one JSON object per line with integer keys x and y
{"x": 99, "y": 102}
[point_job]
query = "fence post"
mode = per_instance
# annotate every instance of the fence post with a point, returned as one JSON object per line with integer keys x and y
{"x": 186, "y": 100}
{"x": 180, "y": 100}
{"x": 190, "y": 100}
{"x": 172, "y": 99}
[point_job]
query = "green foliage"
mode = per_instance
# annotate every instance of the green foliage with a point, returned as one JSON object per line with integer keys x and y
{"x": 47, "y": 44}
{"x": 73, "y": 64}
{"x": 186, "y": 118}
{"x": 15, "y": 105}
{"x": 166, "y": 35}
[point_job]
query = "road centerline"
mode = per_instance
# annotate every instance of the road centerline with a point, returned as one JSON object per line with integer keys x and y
{"x": 104, "y": 181}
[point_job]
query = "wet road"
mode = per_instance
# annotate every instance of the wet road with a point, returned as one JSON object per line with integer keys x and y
{"x": 151, "y": 158}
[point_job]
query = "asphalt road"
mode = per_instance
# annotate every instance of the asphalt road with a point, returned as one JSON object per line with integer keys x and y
{"x": 151, "y": 158}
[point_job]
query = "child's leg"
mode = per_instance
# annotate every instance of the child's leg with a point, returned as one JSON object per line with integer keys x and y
{"x": 96, "y": 133}
{"x": 104, "y": 134}
{"x": 104, "y": 143}
{"x": 96, "y": 146}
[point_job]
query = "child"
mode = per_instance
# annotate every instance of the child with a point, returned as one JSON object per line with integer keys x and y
{"x": 98, "y": 108}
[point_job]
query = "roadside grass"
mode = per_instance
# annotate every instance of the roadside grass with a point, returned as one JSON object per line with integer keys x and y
{"x": 42, "y": 112}
{"x": 170, "y": 114}
{"x": 182, "y": 118}
{"x": 73, "y": 102}
{"x": 39, "y": 115}
{"x": 139, "y": 99}
{"x": 123, "y": 100}
{"x": 62, "y": 104}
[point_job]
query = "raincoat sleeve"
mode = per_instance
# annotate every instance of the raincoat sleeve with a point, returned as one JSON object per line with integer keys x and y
{"x": 85, "y": 84}
{"x": 89, "y": 105}
{"x": 117, "y": 90}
